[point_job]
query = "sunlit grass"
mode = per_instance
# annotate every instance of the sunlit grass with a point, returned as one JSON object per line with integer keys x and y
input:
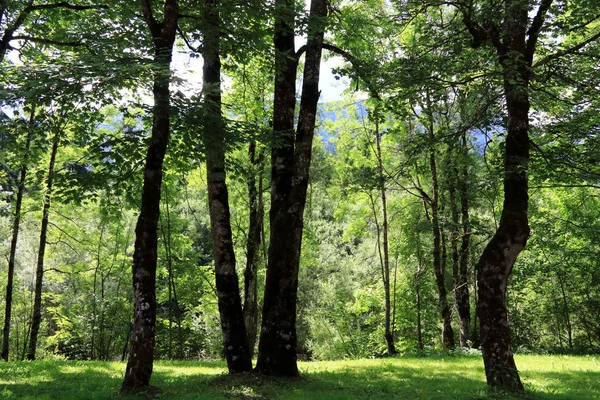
{"x": 447, "y": 377}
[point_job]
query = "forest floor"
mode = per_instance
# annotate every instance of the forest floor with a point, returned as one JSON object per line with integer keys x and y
{"x": 448, "y": 377}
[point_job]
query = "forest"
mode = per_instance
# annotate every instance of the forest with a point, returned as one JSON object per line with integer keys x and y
{"x": 274, "y": 182}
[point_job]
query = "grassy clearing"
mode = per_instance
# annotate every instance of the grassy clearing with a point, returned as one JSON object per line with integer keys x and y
{"x": 545, "y": 377}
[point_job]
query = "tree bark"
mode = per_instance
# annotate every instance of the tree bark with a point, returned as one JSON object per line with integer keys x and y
{"x": 290, "y": 158}
{"x": 515, "y": 45}
{"x": 462, "y": 289}
{"x": 15, "y": 238}
{"x": 36, "y": 318}
{"x": 439, "y": 268}
{"x": 385, "y": 262}
{"x": 460, "y": 231}
{"x": 230, "y": 304}
{"x": 139, "y": 365}
{"x": 253, "y": 247}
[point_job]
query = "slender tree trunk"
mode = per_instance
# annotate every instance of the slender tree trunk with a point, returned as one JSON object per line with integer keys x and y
{"x": 139, "y": 366}
{"x": 566, "y": 310}
{"x": 253, "y": 247}
{"x": 458, "y": 176}
{"x": 389, "y": 338}
{"x": 462, "y": 288}
{"x": 15, "y": 238}
{"x": 228, "y": 292}
{"x": 439, "y": 269}
{"x": 36, "y": 319}
{"x": 95, "y": 297}
{"x": 289, "y": 182}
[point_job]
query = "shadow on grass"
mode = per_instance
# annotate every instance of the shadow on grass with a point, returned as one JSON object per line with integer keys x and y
{"x": 388, "y": 382}
{"x": 393, "y": 379}
{"x": 43, "y": 380}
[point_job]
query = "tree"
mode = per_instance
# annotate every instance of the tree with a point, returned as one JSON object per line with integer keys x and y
{"x": 36, "y": 317}
{"x": 230, "y": 307}
{"x": 290, "y": 165}
{"x": 515, "y": 41}
{"x": 15, "y": 235}
{"x": 139, "y": 365}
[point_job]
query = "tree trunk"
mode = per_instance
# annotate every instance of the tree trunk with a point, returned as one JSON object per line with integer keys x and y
{"x": 462, "y": 288}
{"x": 458, "y": 176}
{"x": 515, "y": 45}
{"x": 228, "y": 292}
{"x": 566, "y": 310}
{"x": 36, "y": 318}
{"x": 37, "y": 303}
{"x": 139, "y": 366}
{"x": 498, "y": 258}
{"x": 439, "y": 269}
{"x": 385, "y": 262}
{"x": 253, "y": 247}
{"x": 289, "y": 181}
{"x": 14, "y": 240}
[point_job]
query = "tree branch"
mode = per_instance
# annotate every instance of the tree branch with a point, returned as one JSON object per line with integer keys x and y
{"x": 534, "y": 30}
{"x": 187, "y": 42}
{"x": 48, "y": 41}
{"x": 570, "y": 50}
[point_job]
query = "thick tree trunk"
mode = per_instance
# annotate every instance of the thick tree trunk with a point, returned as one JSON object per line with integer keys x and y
{"x": 253, "y": 247}
{"x": 515, "y": 43}
{"x": 496, "y": 262}
{"x": 289, "y": 182}
{"x": 36, "y": 319}
{"x": 139, "y": 366}
{"x": 228, "y": 292}
{"x": 14, "y": 240}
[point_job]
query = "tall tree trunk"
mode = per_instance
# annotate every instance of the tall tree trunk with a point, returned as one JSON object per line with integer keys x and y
{"x": 289, "y": 182}
{"x": 462, "y": 288}
{"x": 515, "y": 44}
{"x": 15, "y": 238}
{"x": 36, "y": 318}
{"x": 385, "y": 264}
{"x": 460, "y": 230}
{"x": 139, "y": 365}
{"x": 253, "y": 246}
{"x": 439, "y": 268}
{"x": 230, "y": 304}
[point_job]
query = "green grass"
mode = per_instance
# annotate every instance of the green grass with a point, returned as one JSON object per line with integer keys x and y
{"x": 451, "y": 377}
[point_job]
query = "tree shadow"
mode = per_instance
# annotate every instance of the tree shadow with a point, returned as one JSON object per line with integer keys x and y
{"x": 408, "y": 379}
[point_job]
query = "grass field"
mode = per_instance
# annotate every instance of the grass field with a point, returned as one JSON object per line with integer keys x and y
{"x": 451, "y": 377}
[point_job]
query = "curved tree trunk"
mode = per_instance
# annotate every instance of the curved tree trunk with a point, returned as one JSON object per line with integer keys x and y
{"x": 36, "y": 319}
{"x": 14, "y": 240}
{"x": 230, "y": 304}
{"x": 515, "y": 42}
{"x": 498, "y": 258}
{"x": 139, "y": 365}
{"x": 291, "y": 156}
